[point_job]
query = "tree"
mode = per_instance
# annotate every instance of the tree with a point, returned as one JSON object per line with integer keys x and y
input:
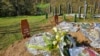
{"x": 5, "y": 8}
{"x": 15, "y": 6}
{"x": 0, "y": 7}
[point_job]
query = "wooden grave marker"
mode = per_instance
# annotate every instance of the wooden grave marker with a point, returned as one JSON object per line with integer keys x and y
{"x": 25, "y": 28}
{"x": 56, "y": 19}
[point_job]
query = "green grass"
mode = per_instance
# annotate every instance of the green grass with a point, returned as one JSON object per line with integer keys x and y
{"x": 6, "y": 21}
{"x": 8, "y": 39}
{"x": 9, "y": 23}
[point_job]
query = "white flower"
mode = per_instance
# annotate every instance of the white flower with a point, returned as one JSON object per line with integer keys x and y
{"x": 57, "y": 36}
{"x": 57, "y": 46}
{"x": 55, "y": 29}
{"x": 61, "y": 38}
{"x": 67, "y": 30}
{"x": 54, "y": 42}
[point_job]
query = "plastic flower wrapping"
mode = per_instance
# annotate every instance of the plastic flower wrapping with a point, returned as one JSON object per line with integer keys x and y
{"x": 93, "y": 34}
{"x": 37, "y": 45}
{"x": 82, "y": 51}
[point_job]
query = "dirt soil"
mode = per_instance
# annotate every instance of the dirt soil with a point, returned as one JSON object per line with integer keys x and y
{"x": 17, "y": 49}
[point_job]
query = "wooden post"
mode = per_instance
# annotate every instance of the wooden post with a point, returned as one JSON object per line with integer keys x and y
{"x": 46, "y": 15}
{"x": 99, "y": 8}
{"x": 60, "y": 10}
{"x": 79, "y": 12}
{"x": 64, "y": 17}
{"x": 55, "y": 16}
{"x": 94, "y": 8}
{"x": 90, "y": 10}
{"x": 55, "y": 11}
{"x": 50, "y": 9}
{"x": 71, "y": 9}
{"x": 85, "y": 9}
{"x": 68, "y": 8}
{"x": 75, "y": 18}
{"x": 25, "y": 29}
{"x": 56, "y": 19}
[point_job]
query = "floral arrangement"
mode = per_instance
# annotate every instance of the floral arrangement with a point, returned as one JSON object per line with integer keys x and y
{"x": 61, "y": 40}
{"x": 50, "y": 41}
{"x": 53, "y": 42}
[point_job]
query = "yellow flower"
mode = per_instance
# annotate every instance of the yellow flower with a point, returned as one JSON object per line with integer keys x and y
{"x": 62, "y": 33}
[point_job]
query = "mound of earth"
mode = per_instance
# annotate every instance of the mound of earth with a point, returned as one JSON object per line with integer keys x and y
{"x": 17, "y": 49}
{"x": 81, "y": 39}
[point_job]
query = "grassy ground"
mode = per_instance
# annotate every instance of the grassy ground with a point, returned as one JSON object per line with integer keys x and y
{"x": 7, "y": 24}
{"x": 5, "y": 21}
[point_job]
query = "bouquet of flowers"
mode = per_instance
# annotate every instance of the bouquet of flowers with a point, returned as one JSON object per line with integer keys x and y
{"x": 45, "y": 42}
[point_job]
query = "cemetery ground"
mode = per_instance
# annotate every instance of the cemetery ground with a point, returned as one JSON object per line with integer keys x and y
{"x": 10, "y": 32}
{"x": 10, "y": 28}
